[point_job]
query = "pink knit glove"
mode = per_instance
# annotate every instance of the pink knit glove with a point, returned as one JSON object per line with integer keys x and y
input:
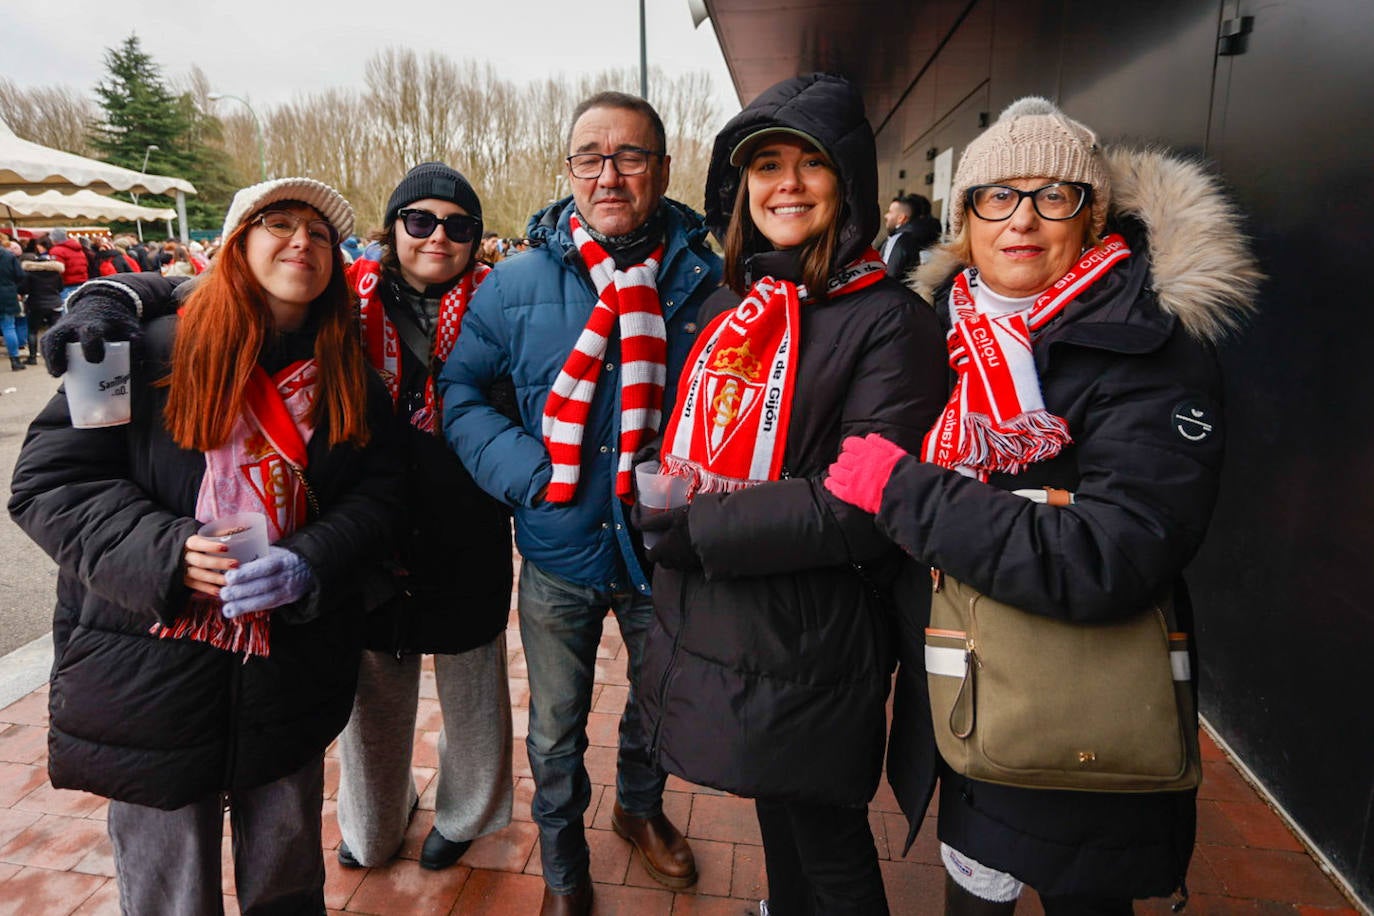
{"x": 859, "y": 475}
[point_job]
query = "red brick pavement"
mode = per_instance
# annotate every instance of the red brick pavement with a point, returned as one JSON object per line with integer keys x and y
{"x": 55, "y": 856}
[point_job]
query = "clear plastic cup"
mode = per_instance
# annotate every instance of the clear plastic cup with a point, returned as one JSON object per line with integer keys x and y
{"x": 245, "y": 533}
{"x": 658, "y": 492}
{"x": 98, "y": 393}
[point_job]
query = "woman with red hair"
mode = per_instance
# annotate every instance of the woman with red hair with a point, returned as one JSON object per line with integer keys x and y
{"x": 183, "y": 681}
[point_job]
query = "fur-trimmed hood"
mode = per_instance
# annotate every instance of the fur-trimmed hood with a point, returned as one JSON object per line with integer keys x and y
{"x": 54, "y": 266}
{"x": 1202, "y": 270}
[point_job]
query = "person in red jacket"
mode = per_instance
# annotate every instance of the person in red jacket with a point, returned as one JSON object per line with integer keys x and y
{"x": 75, "y": 271}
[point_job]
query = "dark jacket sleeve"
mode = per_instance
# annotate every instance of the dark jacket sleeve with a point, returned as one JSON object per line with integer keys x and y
{"x": 904, "y": 256}
{"x": 896, "y": 389}
{"x": 72, "y": 494}
{"x": 1142, "y": 504}
{"x": 502, "y": 456}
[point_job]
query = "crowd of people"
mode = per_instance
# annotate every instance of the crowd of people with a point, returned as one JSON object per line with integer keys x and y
{"x": 393, "y": 404}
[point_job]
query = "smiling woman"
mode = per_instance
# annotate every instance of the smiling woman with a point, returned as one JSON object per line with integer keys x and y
{"x": 185, "y": 680}
{"x": 767, "y": 672}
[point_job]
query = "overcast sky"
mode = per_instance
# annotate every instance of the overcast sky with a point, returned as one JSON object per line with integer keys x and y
{"x": 268, "y": 50}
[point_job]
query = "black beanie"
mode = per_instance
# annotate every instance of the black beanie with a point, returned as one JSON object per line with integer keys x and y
{"x": 433, "y": 180}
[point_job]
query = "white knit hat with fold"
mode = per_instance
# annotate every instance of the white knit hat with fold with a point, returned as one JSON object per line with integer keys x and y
{"x": 330, "y": 203}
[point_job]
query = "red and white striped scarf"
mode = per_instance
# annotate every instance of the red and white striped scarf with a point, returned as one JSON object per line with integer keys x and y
{"x": 730, "y": 431}
{"x": 627, "y": 299}
{"x": 252, "y": 471}
{"x": 996, "y": 418}
{"x": 382, "y": 344}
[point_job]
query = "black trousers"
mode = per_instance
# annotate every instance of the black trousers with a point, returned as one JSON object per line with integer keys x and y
{"x": 821, "y": 860}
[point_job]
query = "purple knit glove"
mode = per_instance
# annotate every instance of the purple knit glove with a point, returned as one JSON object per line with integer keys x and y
{"x": 268, "y": 582}
{"x": 859, "y": 475}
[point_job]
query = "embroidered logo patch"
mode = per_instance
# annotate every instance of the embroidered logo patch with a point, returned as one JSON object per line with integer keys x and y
{"x": 1195, "y": 421}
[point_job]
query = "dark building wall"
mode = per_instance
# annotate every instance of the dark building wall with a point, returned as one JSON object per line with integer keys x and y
{"x": 1286, "y": 619}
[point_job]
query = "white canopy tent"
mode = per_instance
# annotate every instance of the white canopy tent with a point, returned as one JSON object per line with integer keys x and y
{"x": 84, "y": 204}
{"x": 31, "y": 167}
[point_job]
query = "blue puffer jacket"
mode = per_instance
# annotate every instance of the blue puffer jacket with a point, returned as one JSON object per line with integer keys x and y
{"x": 522, "y": 324}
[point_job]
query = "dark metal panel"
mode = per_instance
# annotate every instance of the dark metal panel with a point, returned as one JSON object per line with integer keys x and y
{"x": 1285, "y": 664}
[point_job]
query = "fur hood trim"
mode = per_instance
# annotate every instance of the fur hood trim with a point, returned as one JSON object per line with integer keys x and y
{"x": 1202, "y": 269}
{"x": 54, "y": 266}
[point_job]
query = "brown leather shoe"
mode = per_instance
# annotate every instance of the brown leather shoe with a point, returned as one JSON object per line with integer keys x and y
{"x": 662, "y": 849}
{"x": 578, "y": 903}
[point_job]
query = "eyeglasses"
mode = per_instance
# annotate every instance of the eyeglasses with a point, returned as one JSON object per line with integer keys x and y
{"x": 1058, "y": 201}
{"x": 628, "y": 162}
{"x": 284, "y": 225}
{"x": 420, "y": 224}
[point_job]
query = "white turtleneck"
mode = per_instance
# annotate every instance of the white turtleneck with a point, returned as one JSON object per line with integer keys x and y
{"x": 988, "y": 302}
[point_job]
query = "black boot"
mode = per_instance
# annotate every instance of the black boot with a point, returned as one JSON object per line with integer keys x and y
{"x": 16, "y": 365}
{"x": 959, "y": 902}
{"x": 32, "y": 358}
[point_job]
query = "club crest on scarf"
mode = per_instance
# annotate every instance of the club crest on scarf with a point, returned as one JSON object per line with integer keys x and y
{"x": 734, "y": 388}
{"x": 731, "y": 430}
{"x": 253, "y": 471}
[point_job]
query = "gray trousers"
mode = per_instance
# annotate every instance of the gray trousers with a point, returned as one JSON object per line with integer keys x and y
{"x": 168, "y": 862}
{"x": 476, "y": 784}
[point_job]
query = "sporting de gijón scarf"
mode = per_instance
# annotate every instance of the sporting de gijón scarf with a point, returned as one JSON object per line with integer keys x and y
{"x": 738, "y": 384}
{"x": 258, "y": 469}
{"x": 382, "y": 344}
{"x": 996, "y": 420}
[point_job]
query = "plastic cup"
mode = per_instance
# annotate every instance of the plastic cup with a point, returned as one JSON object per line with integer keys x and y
{"x": 245, "y": 533}
{"x": 98, "y": 393}
{"x": 658, "y": 492}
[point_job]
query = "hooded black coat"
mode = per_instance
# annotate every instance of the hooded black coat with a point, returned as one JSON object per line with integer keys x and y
{"x": 1130, "y": 366}
{"x": 165, "y": 722}
{"x": 766, "y": 671}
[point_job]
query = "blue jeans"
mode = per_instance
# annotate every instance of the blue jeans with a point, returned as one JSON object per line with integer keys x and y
{"x": 560, "y": 626}
{"x": 16, "y": 331}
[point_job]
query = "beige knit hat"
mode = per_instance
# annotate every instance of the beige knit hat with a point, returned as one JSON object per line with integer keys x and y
{"x": 1032, "y": 139}
{"x": 329, "y": 202}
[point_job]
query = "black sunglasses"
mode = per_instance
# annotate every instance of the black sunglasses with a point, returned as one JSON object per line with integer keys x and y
{"x": 420, "y": 224}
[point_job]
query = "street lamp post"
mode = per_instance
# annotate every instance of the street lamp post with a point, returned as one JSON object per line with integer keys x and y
{"x": 143, "y": 170}
{"x": 643, "y": 56}
{"x": 257, "y": 124}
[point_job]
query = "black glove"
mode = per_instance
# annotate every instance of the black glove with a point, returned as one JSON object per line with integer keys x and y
{"x": 106, "y": 309}
{"x": 673, "y": 549}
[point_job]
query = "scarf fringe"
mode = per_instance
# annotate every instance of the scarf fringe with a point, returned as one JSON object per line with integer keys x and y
{"x": 1036, "y": 435}
{"x": 702, "y": 480}
{"x": 204, "y": 623}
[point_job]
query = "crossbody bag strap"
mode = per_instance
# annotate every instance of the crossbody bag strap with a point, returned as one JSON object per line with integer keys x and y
{"x": 411, "y": 334}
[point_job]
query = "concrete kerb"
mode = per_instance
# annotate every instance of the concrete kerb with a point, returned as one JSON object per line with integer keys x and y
{"x": 25, "y": 669}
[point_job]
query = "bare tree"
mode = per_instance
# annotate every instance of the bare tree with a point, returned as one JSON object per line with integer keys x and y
{"x": 328, "y": 136}
{"x": 56, "y": 116}
{"x": 508, "y": 139}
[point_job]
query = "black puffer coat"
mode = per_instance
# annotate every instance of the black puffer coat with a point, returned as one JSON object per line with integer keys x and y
{"x": 44, "y": 281}
{"x": 1130, "y": 366}
{"x": 454, "y": 553}
{"x": 766, "y": 671}
{"x": 164, "y": 722}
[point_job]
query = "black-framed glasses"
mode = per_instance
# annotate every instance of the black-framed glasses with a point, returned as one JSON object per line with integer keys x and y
{"x": 420, "y": 224}
{"x": 284, "y": 225}
{"x": 628, "y": 162}
{"x": 1057, "y": 201}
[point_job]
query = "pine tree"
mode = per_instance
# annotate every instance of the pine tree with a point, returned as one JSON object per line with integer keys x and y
{"x": 139, "y": 110}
